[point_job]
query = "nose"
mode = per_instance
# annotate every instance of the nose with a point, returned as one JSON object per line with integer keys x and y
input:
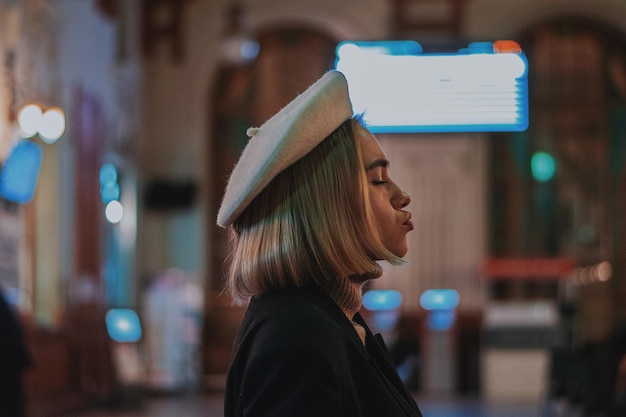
{"x": 401, "y": 200}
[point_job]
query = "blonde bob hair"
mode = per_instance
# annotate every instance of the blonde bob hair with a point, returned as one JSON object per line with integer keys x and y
{"x": 312, "y": 224}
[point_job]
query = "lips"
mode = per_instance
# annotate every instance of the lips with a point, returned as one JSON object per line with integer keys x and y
{"x": 409, "y": 223}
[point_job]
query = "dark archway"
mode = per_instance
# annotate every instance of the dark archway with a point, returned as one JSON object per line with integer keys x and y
{"x": 577, "y": 82}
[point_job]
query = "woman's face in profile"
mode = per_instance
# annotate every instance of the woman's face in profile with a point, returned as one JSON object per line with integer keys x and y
{"x": 387, "y": 199}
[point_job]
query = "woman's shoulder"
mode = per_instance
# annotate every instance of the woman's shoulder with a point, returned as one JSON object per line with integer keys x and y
{"x": 295, "y": 304}
{"x": 294, "y": 316}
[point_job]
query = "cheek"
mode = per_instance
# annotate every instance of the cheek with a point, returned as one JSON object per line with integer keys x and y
{"x": 383, "y": 218}
{"x": 381, "y": 207}
{"x": 378, "y": 211}
{"x": 392, "y": 236}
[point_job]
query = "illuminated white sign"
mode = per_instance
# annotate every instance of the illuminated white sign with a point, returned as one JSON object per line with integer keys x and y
{"x": 398, "y": 89}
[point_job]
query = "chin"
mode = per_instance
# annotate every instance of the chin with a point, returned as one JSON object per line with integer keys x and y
{"x": 399, "y": 249}
{"x": 400, "y": 252}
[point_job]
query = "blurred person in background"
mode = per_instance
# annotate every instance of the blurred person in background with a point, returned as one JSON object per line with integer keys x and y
{"x": 14, "y": 360}
{"x": 312, "y": 209}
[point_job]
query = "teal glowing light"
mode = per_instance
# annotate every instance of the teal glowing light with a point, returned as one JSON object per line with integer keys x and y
{"x": 542, "y": 166}
{"x": 109, "y": 187}
{"x": 110, "y": 192}
{"x": 108, "y": 174}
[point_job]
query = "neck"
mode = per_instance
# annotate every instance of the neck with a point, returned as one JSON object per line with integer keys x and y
{"x": 347, "y": 294}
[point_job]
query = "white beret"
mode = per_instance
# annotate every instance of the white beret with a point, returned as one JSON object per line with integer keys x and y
{"x": 284, "y": 139}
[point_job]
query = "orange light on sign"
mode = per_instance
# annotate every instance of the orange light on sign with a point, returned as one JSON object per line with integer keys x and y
{"x": 507, "y": 46}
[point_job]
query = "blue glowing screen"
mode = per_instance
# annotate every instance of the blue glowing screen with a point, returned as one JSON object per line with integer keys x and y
{"x": 123, "y": 325}
{"x": 439, "y": 299}
{"x": 382, "y": 300}
{"x": 20, "y": 171}
{"x": 441, "y": 320}
{"x": 399, "y": 89}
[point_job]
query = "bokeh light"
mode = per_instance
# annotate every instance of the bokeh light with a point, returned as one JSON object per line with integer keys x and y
{"x": 29, "y": 120}
{"x": 114, "y": 212}
{"x": 52, "y": 125}
{"x": 542, "y": 166}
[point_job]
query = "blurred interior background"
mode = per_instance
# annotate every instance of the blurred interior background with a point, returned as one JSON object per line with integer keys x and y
{"x": 515, "y": 284}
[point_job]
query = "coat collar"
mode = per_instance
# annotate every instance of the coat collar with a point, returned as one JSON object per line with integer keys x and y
{"x": 274, "y": 300}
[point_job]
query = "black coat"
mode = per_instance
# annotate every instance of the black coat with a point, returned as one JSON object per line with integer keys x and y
{"x": 298, "y": 355}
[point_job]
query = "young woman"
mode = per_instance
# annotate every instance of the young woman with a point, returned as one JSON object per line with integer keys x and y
{"x": 312, "y": 210}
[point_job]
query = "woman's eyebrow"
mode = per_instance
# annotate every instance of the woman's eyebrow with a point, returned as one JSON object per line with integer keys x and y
{"x": 377, "y": 163}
